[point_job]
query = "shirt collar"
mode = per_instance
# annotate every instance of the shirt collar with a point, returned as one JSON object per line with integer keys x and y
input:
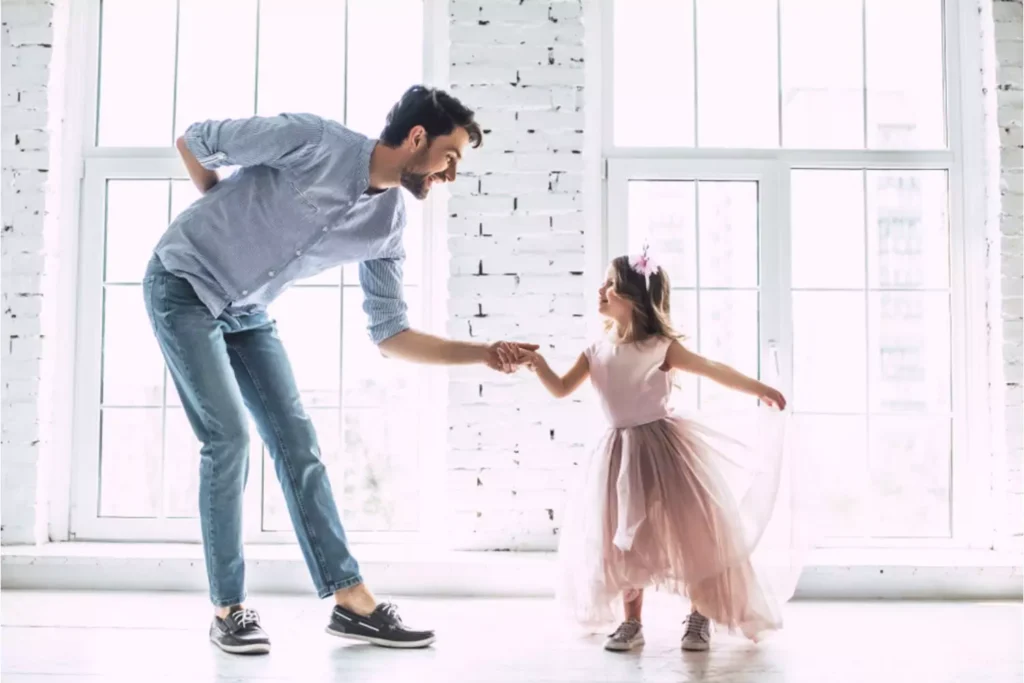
{"x": 361, "y": 178}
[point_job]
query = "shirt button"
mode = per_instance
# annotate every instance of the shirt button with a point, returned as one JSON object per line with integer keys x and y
{"x": 244, "y": 292}
{"x": 298, "y": 252}
{"x": 325, "y": 230}
{"x": 271, "y": 273}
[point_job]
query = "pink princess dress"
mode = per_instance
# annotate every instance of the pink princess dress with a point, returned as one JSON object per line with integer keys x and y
{"x": 657, "y": 508}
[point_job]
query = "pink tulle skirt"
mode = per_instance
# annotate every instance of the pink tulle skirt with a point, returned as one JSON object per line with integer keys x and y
{"x": 676, "y": 506}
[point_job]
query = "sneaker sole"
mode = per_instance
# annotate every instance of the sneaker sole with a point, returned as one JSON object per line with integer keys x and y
{"x": 696, "y": 647}
{"x": 250, "y": 649}
{"x": 383, "y": 642}
{"x": 624, "y": 647}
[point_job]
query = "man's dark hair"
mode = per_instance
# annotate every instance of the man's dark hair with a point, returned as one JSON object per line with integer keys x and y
{"x": 438, "y": 112}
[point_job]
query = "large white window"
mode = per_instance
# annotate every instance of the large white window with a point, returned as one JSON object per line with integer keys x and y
{"x": 156, "y": 67}
{"x": 797, "y": 165}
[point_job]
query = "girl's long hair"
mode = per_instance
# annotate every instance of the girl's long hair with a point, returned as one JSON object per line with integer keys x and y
{"x": 650, "y": 299}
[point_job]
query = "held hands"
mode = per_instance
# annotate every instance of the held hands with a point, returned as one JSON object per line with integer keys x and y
{"x": 506, "y": 357}
{"x": 531, "y": 359}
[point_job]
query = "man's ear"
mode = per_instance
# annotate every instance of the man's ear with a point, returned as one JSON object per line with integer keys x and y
{"x": 416, "y": 138}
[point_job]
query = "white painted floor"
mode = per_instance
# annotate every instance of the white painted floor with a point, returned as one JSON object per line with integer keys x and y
{"x": 53, "y": 637}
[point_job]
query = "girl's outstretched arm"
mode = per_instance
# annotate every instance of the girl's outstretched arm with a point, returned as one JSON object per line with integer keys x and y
{"x": 680, "y": 358}
{"x": 560, "y": 387}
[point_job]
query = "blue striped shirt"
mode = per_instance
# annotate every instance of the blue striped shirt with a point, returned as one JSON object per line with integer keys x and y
{"x": 297, "y": 206}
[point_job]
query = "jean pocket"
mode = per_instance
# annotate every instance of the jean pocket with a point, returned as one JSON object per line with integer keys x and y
{"x": 176, "y": 291}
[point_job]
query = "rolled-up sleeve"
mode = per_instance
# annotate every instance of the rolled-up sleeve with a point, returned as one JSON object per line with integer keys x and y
{"x": 276, "y": 141}
{"x": 384, "y": 302}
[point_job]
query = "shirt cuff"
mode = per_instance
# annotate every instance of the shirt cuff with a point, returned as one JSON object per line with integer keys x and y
{"x": 195, "y": 143}
{"x": 384, "y": 330}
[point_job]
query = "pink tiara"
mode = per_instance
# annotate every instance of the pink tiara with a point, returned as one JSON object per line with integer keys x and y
{"x": 644, "y": 264}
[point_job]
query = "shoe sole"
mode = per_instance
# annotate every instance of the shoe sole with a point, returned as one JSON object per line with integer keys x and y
{"x": 383, "y": 642}
{"x": 697, "y": 647}
{"x": 624, "y": 647}
{"x": 250, "y": 649}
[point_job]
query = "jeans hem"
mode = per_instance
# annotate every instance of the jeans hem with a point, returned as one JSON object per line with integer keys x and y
{"x": 229, "y": 603}
{"x": 329, "y": 590}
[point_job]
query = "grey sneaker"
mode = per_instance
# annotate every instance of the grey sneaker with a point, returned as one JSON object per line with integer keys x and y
{"x": 240, "y": 633}
{"x": 697, "y": 636}
{"x": 628, "y": 635}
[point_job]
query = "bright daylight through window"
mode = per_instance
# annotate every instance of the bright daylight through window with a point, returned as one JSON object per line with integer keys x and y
{"x": 795, "y": 172}
{"x": 137, "y": 457}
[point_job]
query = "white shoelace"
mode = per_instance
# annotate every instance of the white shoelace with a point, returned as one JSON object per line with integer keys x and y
{"x": 245, "y": 617}
{"x": 391, "y": 611}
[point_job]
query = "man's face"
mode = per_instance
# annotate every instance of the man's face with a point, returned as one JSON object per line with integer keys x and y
{"x": 432, "y": 162}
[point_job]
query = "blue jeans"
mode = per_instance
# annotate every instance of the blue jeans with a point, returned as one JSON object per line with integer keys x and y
{"x": 221, "y": 367}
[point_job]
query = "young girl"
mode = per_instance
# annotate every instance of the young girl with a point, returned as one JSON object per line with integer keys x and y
{"x": 656, "y": 508}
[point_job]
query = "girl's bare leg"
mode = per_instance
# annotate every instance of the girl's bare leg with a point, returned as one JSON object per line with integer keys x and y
{"x": 633, "y": 602}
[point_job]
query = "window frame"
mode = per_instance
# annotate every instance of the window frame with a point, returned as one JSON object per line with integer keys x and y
{"x": 972, "y": 510}
{"x": 97, "y": 165}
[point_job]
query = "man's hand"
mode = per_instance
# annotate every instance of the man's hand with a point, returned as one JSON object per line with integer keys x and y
{"x": 506, "y": 357}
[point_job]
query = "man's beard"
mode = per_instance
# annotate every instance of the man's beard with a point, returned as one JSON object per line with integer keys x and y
{"x": 416, "y": 183}
{"x": 413, "y": 179}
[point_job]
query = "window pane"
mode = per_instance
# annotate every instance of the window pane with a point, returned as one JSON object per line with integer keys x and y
{"x": 137, "y": 73}
{"x": 828, "y": 229}
{"x": 216, "y": 61}
{"x": 331, "y": 276}
{"x": 380, "y": 485}
{"x": 295, "y": 35}
{"x": 822, "y": 74}
{"x": 910, "y": 476}
{"x": 136, "y": 219}
{"x": 684, "y": 315}
{"x": 374, "y": 478}
{"x": 350, "y": 273}
{"x": 376, "y": 77}
{"x": 653, "y": 73}
{"x": 904, "y": 74}
{"x": 908, "y": 229}
{"x": 684, "y": 318}
{"x": 133, "y": 368}
{"x": 829, "y": 359}
{"x": 663, "y": 213}
{"x": 728, "y": 234}
{"x": 183, "y": 194}
{"x": 369, "y": 379}
{"x": 130, "y": 462}
{"x": 729, "y": 334}
{"x": 309, "y": 322}
{"x": 737, "y": 73}
{"x": 327, "y": 423}
{"x": 181, "y": 466}
{"x": 834, "y": 449}
{"x": 910, "y": 352}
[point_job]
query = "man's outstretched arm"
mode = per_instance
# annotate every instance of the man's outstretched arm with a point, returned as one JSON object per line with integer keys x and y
{"x": 419, "y": 347}
{"x": 386, "y": 310}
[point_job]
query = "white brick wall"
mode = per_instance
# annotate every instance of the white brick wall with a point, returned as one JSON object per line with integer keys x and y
{"x": 516, "y": 243}
{"x": 26, "y": 52}
{"x": 1009, "y": 34}
{"x": 517, "y": 248}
